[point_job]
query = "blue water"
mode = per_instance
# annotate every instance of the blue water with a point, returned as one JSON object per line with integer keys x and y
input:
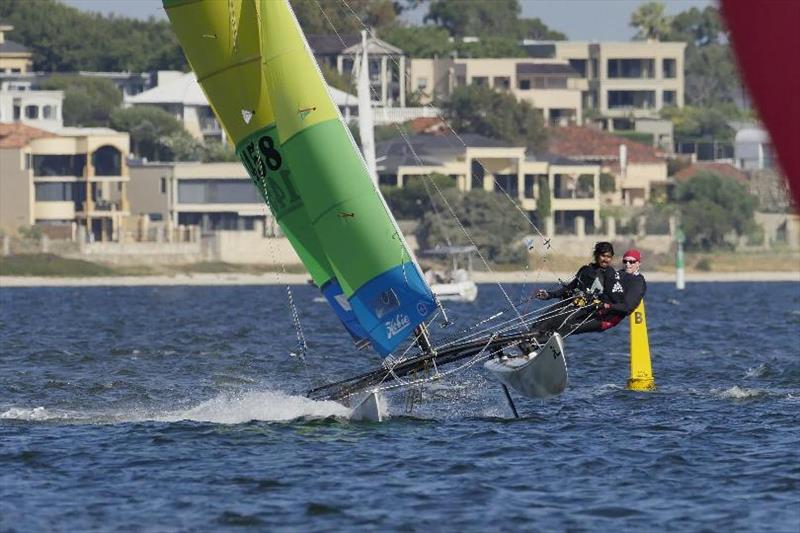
{"x": 178, "y": 408}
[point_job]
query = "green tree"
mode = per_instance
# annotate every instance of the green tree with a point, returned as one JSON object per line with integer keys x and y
{"x": 491, "y": 47}
{"x": 328, "y": 17}
{"x": 65, "y": 39}
{"x": 693, "y": 122}
{"x": 419, "y": 41}
{"x": 415, "y": 198}
{"x": 714, "y": 206}
{"x": 651, "y": 21}
{"x": 495, "y": 228}
{"x": 335, "y": 79}
{"x": 87, "y": 101}
{"x": 485, "y": 19}
{"x": 710, "y": 69}
{"x": 216, "y": 152}
{"x": 536, "y": 29}
{"x": 497, "y": 115}
{"x": 155, "y": 134}
{"x": 543, "y": 207}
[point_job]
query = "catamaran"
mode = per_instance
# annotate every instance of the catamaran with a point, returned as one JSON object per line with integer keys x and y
{"x": 257, "y": 70}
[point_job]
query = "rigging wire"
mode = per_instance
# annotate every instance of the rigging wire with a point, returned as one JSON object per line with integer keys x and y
{"x": 546, "y": 241}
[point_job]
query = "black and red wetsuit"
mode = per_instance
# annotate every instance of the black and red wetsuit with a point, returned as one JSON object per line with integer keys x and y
{"x": 621, "y": 291}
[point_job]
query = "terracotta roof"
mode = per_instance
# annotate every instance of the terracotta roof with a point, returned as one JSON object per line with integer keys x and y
{"x": 427, "y": 125}
{"x": 17, "y": 135}
{"x": 724, "y": 169}
{"x": 584, "y": 143}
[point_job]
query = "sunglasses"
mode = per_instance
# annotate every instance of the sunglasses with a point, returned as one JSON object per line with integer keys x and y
{"x": 629, "y": 261}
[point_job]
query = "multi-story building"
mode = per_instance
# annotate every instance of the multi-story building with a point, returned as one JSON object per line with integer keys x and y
{"x": 75, "y": 177}
{"x": 638, "y": 170}
{"x": 476, "y": 162}
{"x": 568, "y": 80}
{"x": 40, "y": 109}
{"x": 213, "y": 196}
{"x": 14, "y": 58}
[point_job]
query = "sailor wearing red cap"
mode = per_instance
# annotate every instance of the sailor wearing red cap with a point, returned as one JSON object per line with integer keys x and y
{"x": 632, "y": 285}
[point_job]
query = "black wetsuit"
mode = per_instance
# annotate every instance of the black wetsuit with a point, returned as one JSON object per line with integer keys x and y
{"x": 565, "y": 317}
{"x": 634, "y": 287}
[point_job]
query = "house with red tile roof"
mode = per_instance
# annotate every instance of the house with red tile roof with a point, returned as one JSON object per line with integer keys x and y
{"x": 65, "y": 179}
{"x": 637, "y": 168}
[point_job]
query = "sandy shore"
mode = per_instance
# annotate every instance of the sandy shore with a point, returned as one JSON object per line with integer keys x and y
{"x": 302, "y": 279}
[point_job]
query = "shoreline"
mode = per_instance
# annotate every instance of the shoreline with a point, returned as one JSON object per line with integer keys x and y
{"x": 273, "y": 278}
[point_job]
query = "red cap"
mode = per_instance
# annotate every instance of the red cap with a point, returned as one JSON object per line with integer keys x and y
{"x": 633, "y": 253}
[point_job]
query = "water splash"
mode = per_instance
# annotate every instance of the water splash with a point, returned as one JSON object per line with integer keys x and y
{"x": 738, "y": 393}
{"x": 270, "y": 406}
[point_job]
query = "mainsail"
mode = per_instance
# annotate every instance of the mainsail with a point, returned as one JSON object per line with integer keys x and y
{"x": 222, "y": 44}
{"x": 359, "y": 236}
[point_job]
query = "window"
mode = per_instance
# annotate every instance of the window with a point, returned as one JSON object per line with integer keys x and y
{"x": 31, "y": 112}
{"x": 502, "y": 82}
{"x": 631, "y": 99}
{"x": 17, "y": 112}
{"x": 155, "y": 217}
{"x": 507, "y": 183}
{"x": 556, "y": 82}
{"x": 480, "y": 81}
{"x": 477, "y": 175}
{"x": 530, "y": 180}
{"x": 670, "y": 98}
{"x": 422, "y": 83}
{"x": 107, "y": 161}
{"x": 47, "y": 111}
{"x": 388, "y": 180}
{"x": 579, "y": 65}
{"x": 59, "y": 165}
{"x": 163, "y": 185}
{"x": 668, "y": 68}
{"x": 524, "y": 85}
{"x": 631, "y": 68}
{"x": 224, "y": 191}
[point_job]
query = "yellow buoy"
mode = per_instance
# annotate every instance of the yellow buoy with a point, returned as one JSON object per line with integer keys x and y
{"x": 641, "y": 370}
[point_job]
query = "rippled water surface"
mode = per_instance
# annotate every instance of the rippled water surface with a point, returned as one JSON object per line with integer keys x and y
{"x": 181, "y": 408}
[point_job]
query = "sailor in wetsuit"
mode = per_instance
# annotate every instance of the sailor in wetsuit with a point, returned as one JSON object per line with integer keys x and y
{"x": 634, "y": 287}
{"x": 577, "y": 314}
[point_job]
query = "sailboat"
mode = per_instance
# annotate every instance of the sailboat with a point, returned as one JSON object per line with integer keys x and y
{"x": 254, "y": 64}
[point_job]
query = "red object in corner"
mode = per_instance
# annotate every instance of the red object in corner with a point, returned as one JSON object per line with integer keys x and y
{"x": 766, "y": 39}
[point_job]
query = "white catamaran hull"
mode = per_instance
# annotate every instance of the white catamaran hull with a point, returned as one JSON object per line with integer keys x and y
{"x": 540, "y": 374}
{"x": 462, "y": 291}
{"x": 370, "y": 408}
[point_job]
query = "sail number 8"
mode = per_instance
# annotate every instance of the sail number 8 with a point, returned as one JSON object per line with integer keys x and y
{"x": 263, "y": 162}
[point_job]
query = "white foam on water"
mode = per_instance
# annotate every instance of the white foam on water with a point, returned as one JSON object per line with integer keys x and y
{"x": 25, "y": 413}
{"x": 757, "y": 372}
{"x": 738, "y": 393}
{"x": 270, "y": 406}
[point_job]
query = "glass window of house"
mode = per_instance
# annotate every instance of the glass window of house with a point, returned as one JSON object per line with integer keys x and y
{"x": 669, "y": 68}
{"x": 31, "y": 111}
{"x": 524, "y": 85}
{"x": 422, "y": 83}
{"x": 669, "y": 98}
{"x": 502, "y": 82}
{"x": 47, "y": 111}
{"x": 480, "y": 81}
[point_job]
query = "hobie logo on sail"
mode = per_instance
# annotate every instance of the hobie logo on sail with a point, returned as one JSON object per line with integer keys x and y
{"x": 396, "y": 325}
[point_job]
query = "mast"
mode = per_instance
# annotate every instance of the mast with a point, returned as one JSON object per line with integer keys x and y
{"x": 365, "y": 119}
